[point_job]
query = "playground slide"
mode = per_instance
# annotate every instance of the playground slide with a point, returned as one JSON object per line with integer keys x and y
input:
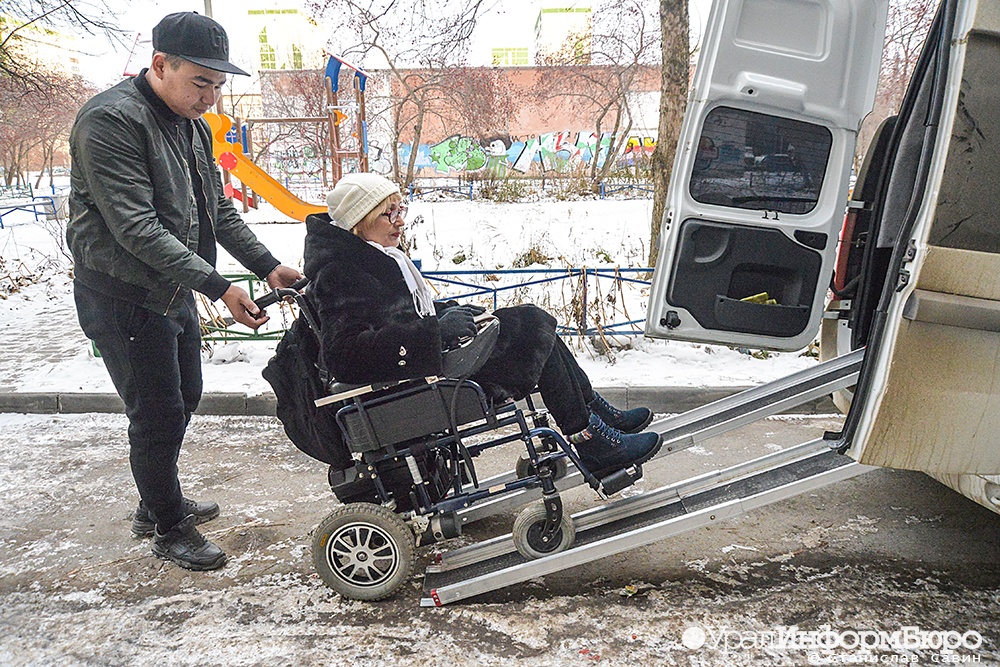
{"x": 230, "y": 157}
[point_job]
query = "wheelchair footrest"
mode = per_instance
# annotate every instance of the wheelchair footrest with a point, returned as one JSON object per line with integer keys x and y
{"x": 621, "y": 479}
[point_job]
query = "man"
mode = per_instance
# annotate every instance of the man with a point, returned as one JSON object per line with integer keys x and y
{"x": 146, "y": 211}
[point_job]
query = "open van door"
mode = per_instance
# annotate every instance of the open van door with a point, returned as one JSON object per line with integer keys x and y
{"x": 762, "y": 170}
{"x": 928, "y": 397}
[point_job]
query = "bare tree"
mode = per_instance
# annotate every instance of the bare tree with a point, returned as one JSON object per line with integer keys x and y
{"x": 483, "y": 99}
{"x": 56, "y": 113}
{"x": 303, "y": 147}
{"x": 907, "y": 25}
{"x": 421, "y": 42}
{"x": 676, "y": 67}
{"x": 19, "y": 18}
{"x": 35, "y": 123}
{"x": 419, "y": 96}
{"x": 600, "y": 75}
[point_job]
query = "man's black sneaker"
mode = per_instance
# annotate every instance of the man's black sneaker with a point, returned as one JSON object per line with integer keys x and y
{"x": 143, "y": 523}
{"x": 184, "y": 545}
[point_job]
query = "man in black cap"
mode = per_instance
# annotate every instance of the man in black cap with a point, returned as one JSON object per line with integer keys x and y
{"x": 146, "y": 211}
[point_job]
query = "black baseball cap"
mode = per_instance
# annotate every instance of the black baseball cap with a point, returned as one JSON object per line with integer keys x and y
{"x": 195, "y": 38}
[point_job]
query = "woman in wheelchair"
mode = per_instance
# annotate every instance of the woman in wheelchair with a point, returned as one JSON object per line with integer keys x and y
{"x": 378, "y": 322}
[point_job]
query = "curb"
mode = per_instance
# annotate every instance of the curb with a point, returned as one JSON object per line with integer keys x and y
{"x": 659, "y": 399}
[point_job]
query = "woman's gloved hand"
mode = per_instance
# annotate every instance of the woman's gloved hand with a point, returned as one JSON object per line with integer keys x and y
{"x": 456, "y": 323}
{"x": 472, "y": 308}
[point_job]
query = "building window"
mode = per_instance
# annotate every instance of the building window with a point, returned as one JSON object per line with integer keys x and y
{"x": 510, "y": 57}
{"x": 267, "y": 57}
{"x": 296, "y": 57}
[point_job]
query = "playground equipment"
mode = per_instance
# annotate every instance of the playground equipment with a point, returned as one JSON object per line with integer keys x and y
{"x": 231, "y": 158}
{"x": 14, "y": 198}
{"x": 337, "y": 116}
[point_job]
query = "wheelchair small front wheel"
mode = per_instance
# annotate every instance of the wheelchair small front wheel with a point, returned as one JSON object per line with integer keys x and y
{"x": 529, "y": 526}
{"x": 363, "y": 551}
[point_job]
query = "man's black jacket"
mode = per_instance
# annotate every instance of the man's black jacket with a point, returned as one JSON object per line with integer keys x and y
{"x": 135, "y": 226}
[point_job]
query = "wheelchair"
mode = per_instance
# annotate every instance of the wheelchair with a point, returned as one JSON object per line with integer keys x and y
{"x": 411, "y": 468}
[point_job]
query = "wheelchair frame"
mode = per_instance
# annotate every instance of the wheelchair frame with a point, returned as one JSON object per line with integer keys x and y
{"x": 413, "y": 473}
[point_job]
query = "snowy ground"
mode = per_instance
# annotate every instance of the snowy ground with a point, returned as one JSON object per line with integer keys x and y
{"x": 45, "y": 351}
{"x": 883, "y": 551}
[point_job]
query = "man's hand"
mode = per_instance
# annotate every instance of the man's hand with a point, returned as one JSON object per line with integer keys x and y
{"x": 244, "y": 310}
{"x": 283, "y": 276}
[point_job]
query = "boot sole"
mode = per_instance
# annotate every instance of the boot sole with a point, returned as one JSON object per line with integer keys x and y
{"x": 188, "y": 565}
{"x": 141, "y": 529}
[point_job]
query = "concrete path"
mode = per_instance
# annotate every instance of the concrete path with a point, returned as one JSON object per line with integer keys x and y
{"x": 882, "y": 552}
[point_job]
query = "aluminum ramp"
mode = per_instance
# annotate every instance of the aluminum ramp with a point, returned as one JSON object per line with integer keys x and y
{"x": 689, "y": 428}
{"x": 640, "y": 520}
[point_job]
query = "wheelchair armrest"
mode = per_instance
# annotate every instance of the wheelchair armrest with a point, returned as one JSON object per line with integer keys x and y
{"x": 469, "y": 357}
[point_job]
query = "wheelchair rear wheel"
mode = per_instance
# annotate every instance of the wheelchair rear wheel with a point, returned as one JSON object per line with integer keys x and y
{"x": 363, "y": 551}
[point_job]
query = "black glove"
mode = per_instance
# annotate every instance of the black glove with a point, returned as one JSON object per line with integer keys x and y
{"x": 473, "y": 309}
{"x": 456, "y": 323}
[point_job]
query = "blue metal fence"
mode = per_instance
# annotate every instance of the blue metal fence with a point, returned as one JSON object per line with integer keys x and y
{"x": 465, "y": 188}
{"x": 611, "y": 188}
{"x": 467, "y": 284}
{"x": 582, "y": 325}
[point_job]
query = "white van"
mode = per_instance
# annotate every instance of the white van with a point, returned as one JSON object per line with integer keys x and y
{"x": 757, "y": 252}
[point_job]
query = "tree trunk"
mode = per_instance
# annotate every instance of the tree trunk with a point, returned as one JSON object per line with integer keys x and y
{"x": 618, "y": 140}
{"x": 597, "y": 147}
{"x": 397, "y": 110}
{"x": 674, "y": 30}
{"x": 418, "y": 129}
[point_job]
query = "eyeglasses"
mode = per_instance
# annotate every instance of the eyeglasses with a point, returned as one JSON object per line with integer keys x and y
{"x": 394, "y": 214}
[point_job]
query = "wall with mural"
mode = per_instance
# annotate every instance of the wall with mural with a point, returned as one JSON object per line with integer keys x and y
{"x": 549, "y": 152}
{"x": 509, "y": 120}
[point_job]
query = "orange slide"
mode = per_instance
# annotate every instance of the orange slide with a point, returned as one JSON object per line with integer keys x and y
{"x": 230, "y": 157}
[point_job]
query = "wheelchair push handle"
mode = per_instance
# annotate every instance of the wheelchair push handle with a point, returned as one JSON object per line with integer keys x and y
{"x": 277, "y": 295}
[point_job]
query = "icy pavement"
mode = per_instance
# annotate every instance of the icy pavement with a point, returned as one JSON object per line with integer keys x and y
{"x": 884, "y": 551}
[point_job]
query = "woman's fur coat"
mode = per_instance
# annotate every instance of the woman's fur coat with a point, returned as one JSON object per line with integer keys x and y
{"x": 370, "y": 330}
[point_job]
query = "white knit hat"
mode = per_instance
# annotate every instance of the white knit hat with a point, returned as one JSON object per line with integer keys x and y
{"x": 355, "y": 195}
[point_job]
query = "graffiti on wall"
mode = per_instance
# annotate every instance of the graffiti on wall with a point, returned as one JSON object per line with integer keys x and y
{"x": 292, "y": 160}
{"x": 552, "y": 151}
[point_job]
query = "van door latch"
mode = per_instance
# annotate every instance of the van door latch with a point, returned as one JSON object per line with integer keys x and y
{"x": 903, "y": 280}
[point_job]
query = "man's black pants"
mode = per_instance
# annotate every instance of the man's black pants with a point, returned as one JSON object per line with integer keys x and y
{"x": 155, "y": 364}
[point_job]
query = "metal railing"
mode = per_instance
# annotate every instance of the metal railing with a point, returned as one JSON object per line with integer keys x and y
{"x": 464, "y": 189}
{"x": 217, "y": 325}
{"x": 585, "y": 315}
{"x": 611, "y": 188}
{"x": 582, "y": 319}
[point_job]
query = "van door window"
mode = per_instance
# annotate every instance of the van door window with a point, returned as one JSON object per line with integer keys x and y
{"x": 761, "y": 162}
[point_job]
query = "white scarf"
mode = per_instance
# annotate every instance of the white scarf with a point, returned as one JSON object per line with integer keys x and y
{"x": 423, "y": 302}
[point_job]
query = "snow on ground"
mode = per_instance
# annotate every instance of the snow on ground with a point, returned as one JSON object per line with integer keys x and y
{"x": 884, "y": 551}
{"x": 46, "y": 351}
